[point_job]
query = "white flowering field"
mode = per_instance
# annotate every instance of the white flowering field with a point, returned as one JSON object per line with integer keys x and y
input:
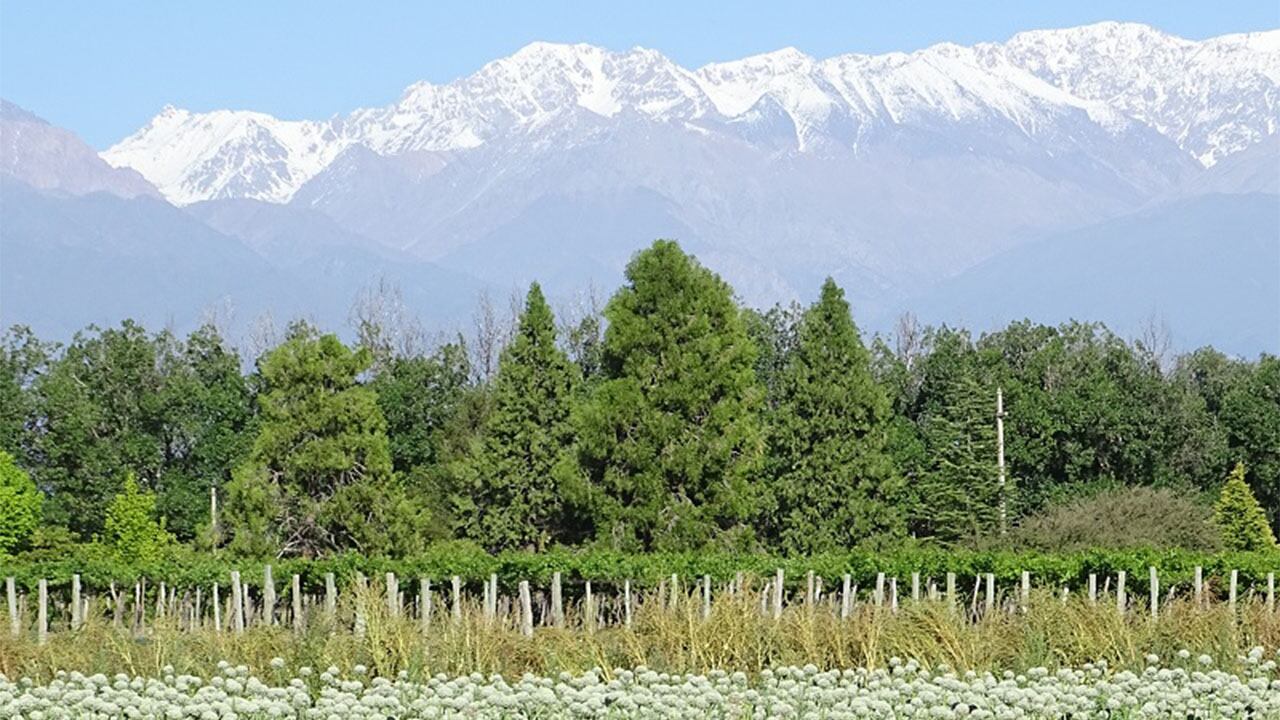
{"x": 1187, "y": 688}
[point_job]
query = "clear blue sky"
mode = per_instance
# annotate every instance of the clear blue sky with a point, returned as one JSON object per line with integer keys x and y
{"x": 103, "y": 68}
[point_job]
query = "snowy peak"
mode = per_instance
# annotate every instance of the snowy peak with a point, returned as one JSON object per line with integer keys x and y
{"x": 226, "y": 153}
{"x": 1211, "y": 98}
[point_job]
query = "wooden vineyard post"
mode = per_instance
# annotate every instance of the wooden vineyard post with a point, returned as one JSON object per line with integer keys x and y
{"x": 1232, "y": 593}
{"x": 951, "y": 590}
{"x": 846, "y": 602}
{"x": 456, "y": 609}
{"x": 557, "y": 601}
{"x": 526, "y": 610}
{"x": 626, "y": 604}
{"x": 1271, "y": 592}
{"x": 217, "y": 611}
{"x": 330, "y": 597}
{"x": 42, "y": 612}
{"x": 1026, "y": 590}
{"x": 493, "y": 596}
{"x": 393, "y": 595}
{"x": 879, "y": 596}
{"x": 1093, "y": 588}
{"x": 1120, "y": 599}
{"x": 991, "y": 592}
{"x": 237, "y": 603}
{"x": 1155, "y": 594}
{"x": 1198, "y": 584}
{"x": 589, "y": 609}
{"x": 268, "y": 596}
{"x": 675, "y": 591}
{"x": 77, "y": 611}
{"x": 295, "y": 599}
{"x": 915, "y": 587}
{"x": 424, "y": 604}
{"x": 893, "y": 594}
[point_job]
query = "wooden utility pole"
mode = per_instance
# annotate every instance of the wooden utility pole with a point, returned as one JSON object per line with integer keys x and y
{"x": 1004, "y": 526}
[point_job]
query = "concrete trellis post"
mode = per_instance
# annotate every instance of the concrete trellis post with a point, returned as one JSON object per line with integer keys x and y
{"x": 526, "y": 610}
{"x": 557, "y": 601}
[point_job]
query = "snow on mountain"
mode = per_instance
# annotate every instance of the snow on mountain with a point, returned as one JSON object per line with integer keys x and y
{"x": 227, "y": 154}
{"x": 1212, "y": 98}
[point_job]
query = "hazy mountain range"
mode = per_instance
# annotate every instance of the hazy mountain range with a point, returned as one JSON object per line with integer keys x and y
{"x": 1109, "y": 172}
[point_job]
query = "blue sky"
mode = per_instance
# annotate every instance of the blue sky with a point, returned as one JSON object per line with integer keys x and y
{"x": 103, "y": 68}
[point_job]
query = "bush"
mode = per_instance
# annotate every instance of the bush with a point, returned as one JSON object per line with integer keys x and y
{"x": 1119, "y": 518}
{"x": 20, "y": 504}
{"x": 1240, "y": 518}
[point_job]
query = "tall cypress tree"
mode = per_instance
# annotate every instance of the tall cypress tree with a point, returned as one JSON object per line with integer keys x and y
{"x": 527, "y": 434}
{"x": 670, "y": 439}
{"x": 833, "y": 480}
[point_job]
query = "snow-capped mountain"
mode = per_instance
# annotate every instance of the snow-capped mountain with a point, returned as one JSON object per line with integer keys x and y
{"x": 1214, "y": 97}
{"x": 895, "y": 174}
{"x": 1211, "y": 98}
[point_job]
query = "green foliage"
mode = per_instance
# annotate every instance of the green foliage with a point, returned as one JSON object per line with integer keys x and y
{"x": 670, "y": 440}
{"x": 527, "y": 440}
{"x": 319, "y": 476}
{"x": 23, "y": 358}
{"x": 833, "y": 482}
{"x": 1120, "y": 517}
{"x": 131, "y": 527}
{"x": 20, "y": 506}
{"x": 956, "y": 492}
{"x": 1251, "y": 412}
{"x": 1240, "y": 519}
{"x": 181, "y": 568}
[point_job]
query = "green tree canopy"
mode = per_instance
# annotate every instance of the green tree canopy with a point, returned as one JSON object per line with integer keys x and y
{"x": 670, "y": 440}
{"x": 833, "y": 483}
{"x": 1239, "y": 518}
{"x": 526, "y": 437}
{"x": 319, "y": 475}
{"x": 131, "y": 526}
{"x": 20, "y": 505}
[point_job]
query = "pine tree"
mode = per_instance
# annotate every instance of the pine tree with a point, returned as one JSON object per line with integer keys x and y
{"x": 319, "y": 476}
{"x": 833, "y": 481}
{"x": 1240, "y": 518}
{"x": 955, "y": 493}
{"x": 670, "y": 439}
{"x": 525, "y": 437}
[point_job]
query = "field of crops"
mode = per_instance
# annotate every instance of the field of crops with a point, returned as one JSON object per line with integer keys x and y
{"x": 1185, "y": 687}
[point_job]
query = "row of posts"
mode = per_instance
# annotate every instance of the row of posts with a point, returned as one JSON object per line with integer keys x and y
{"x": 771, "y": 598}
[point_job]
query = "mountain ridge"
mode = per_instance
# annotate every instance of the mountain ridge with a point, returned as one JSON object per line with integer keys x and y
{"x": 200, "y": 156}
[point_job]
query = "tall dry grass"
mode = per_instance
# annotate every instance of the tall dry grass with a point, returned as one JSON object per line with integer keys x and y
{"x": 733, "y": 636}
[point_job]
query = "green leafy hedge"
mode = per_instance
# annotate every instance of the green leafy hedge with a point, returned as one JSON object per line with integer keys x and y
{"x": 181, "y": 568}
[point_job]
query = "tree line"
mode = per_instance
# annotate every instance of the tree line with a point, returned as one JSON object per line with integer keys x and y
{"x": 674, "y": 420}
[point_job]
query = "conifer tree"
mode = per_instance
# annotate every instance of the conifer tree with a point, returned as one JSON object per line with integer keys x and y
{"x": 670, "y": 440}
{"x": 526, "y": 435}
{"x": 833, "y": 482}
{"x": 955, "y": 492}
{"x": 319, "y": 476}
{"x": 1240, "y": 518}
